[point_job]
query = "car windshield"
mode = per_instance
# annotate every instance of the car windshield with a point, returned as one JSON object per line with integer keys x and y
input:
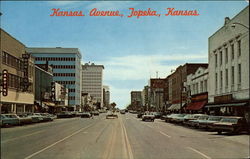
{"x": 203, "y": 118}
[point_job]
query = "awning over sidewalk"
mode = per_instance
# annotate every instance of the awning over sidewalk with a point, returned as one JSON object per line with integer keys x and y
{"x": 49, "y": 104}
{"x": 196, "y": 105}
{"x": 176, "y": 106}
{"x": 226, "y": 105}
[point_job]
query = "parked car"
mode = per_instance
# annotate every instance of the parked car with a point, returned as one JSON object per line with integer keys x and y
{"x": 111, "y": 115}
{"x": 195, "y": 123}
{"x": 86, "y": 115}
{"x": 157, "y": 115}
{"x": 36, "y": 117}
{"x": 24, "y": 118}
{"x": 205, "y": 124}
{"x": 148, "y": 117}
{"x": 177, "y": 118}
{"x": 169, "y": 117}
{"x": 9, "y": 120}
{"x": 64, "y": 115}
{"x": 189, "y": 122}
{"x": 232, "y": 124}
{"x": 95, "y": 113}
{"x": 47, "y": 117}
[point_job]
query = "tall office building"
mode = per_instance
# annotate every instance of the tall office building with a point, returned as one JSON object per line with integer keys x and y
{"x": 106, "y": 96}
{"x": 66, "y": 64}
{"x": 92, "y": 76}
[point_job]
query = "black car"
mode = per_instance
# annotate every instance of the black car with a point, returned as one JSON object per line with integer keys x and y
{"x": 86, "y": 115}
{"x": 64, "y": 115}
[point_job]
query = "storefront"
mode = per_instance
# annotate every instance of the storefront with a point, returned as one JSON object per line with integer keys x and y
{"x": 197, "y": 103}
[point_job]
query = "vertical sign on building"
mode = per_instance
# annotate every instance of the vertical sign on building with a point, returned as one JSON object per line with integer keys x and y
{"x": 53, "y": 91}
{"x": 5, "y": 83}
{"x": 25, "y": 82}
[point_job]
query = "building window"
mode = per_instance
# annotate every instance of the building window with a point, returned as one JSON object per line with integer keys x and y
{"x": 216, "y": 60}
{"x": 239, "y": 48}
{"x": 221, "y": 79}
{"x": 205, "y": 85}
{"x": 226, "y": 77}
{"x": 220, "y": 57}
{"x": 216, "y": 81}
{"x": 232, "y": 75}
{"x": 232, "y": 51}
{"x": 201, "y": 86}
{"x": 226, "y": 55}
{"x": 239, "y": 73}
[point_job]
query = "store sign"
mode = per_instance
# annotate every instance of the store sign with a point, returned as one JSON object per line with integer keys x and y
{"x": 223, "y": 99}
{"x": 25, "y": 81}
{"x": 199, "y": 97}
{"x": 157, "y": 83}
{"x": 5, "y": 83}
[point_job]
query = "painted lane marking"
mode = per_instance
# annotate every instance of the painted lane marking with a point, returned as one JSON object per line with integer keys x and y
{"x": 36, "y": 153}
{"x": 16, "y": 138}
{"x": 129, "y": 150}
{"x": 199, "y": 152}
{"x": 165, "y": 134}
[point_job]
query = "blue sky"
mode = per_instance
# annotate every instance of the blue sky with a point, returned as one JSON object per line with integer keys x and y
{"x": 131, "y": 49}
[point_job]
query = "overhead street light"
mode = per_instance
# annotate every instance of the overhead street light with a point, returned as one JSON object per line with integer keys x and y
{"x": 235, "y": 23}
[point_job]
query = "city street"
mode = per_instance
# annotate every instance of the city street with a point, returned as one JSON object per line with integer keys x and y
{"x": 126, "y": 137}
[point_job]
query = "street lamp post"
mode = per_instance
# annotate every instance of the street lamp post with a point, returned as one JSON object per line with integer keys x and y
{"x": 236, "y": 23}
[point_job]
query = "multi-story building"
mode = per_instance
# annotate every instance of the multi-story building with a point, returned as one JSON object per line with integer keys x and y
{"x": 20, "y": 80}
{"x": 66, "y": 64}
{"x": 177, "y": 91}
{"x": 146, "y": 97}
{"x": 196, "y": 88}
{"x": 157, "y": 86}
{"x": 106, "y": 96}
{"x": 92, "y": 82}
{"x": 136, "y": 99}
{"x": 229, "y": 67}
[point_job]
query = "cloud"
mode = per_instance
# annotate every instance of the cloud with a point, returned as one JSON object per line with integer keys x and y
{"x": 141, "y": 67}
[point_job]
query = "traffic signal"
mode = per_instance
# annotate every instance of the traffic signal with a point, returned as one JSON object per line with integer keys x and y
{"x": 5, "y": 82}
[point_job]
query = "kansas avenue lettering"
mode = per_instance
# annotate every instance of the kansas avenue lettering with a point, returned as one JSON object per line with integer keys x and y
{"x": 173, "y": 12}
{"x": 95, "y": 12}
{"x": 139, "y": 13}
{"x": 57, "y": 12}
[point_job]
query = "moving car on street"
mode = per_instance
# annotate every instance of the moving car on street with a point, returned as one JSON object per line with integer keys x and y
{"x": 111, "y": 115}
{"x": 139, "y": 115}
{"x": 148, "y": 117}
{"x": 64, "y": 115}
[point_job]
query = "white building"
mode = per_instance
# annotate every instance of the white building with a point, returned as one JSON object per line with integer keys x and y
{"x": 229, "y": 65}
{"x": 92, "y": 81}
{"x": 196, "y": 87}
{"x": 197, "y": 83}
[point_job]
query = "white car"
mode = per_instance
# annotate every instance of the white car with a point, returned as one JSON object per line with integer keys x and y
{"x": 148, "y": 116}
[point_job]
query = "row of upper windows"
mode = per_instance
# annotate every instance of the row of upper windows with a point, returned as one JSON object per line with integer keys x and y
{"x": 64, "y": 74}
{"x": 63, "y": 66}
{"x": 219, "y": 53}
{"x": 15, "y": 82}
{"x": 12, "y": 61}
{"x": 226, "y": 77}
{"x": 55, "y": 59}
{"x": 66, "y": 82}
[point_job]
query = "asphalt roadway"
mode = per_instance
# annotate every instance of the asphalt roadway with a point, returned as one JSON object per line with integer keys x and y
{"x": 124, "y": 138}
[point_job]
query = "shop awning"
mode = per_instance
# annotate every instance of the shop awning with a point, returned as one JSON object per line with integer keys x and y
{"x": 49, "y": 104}
{"x": 176, "y": 106}
{"x": 226, "y": 105}
{"x": 196, "y": 105}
